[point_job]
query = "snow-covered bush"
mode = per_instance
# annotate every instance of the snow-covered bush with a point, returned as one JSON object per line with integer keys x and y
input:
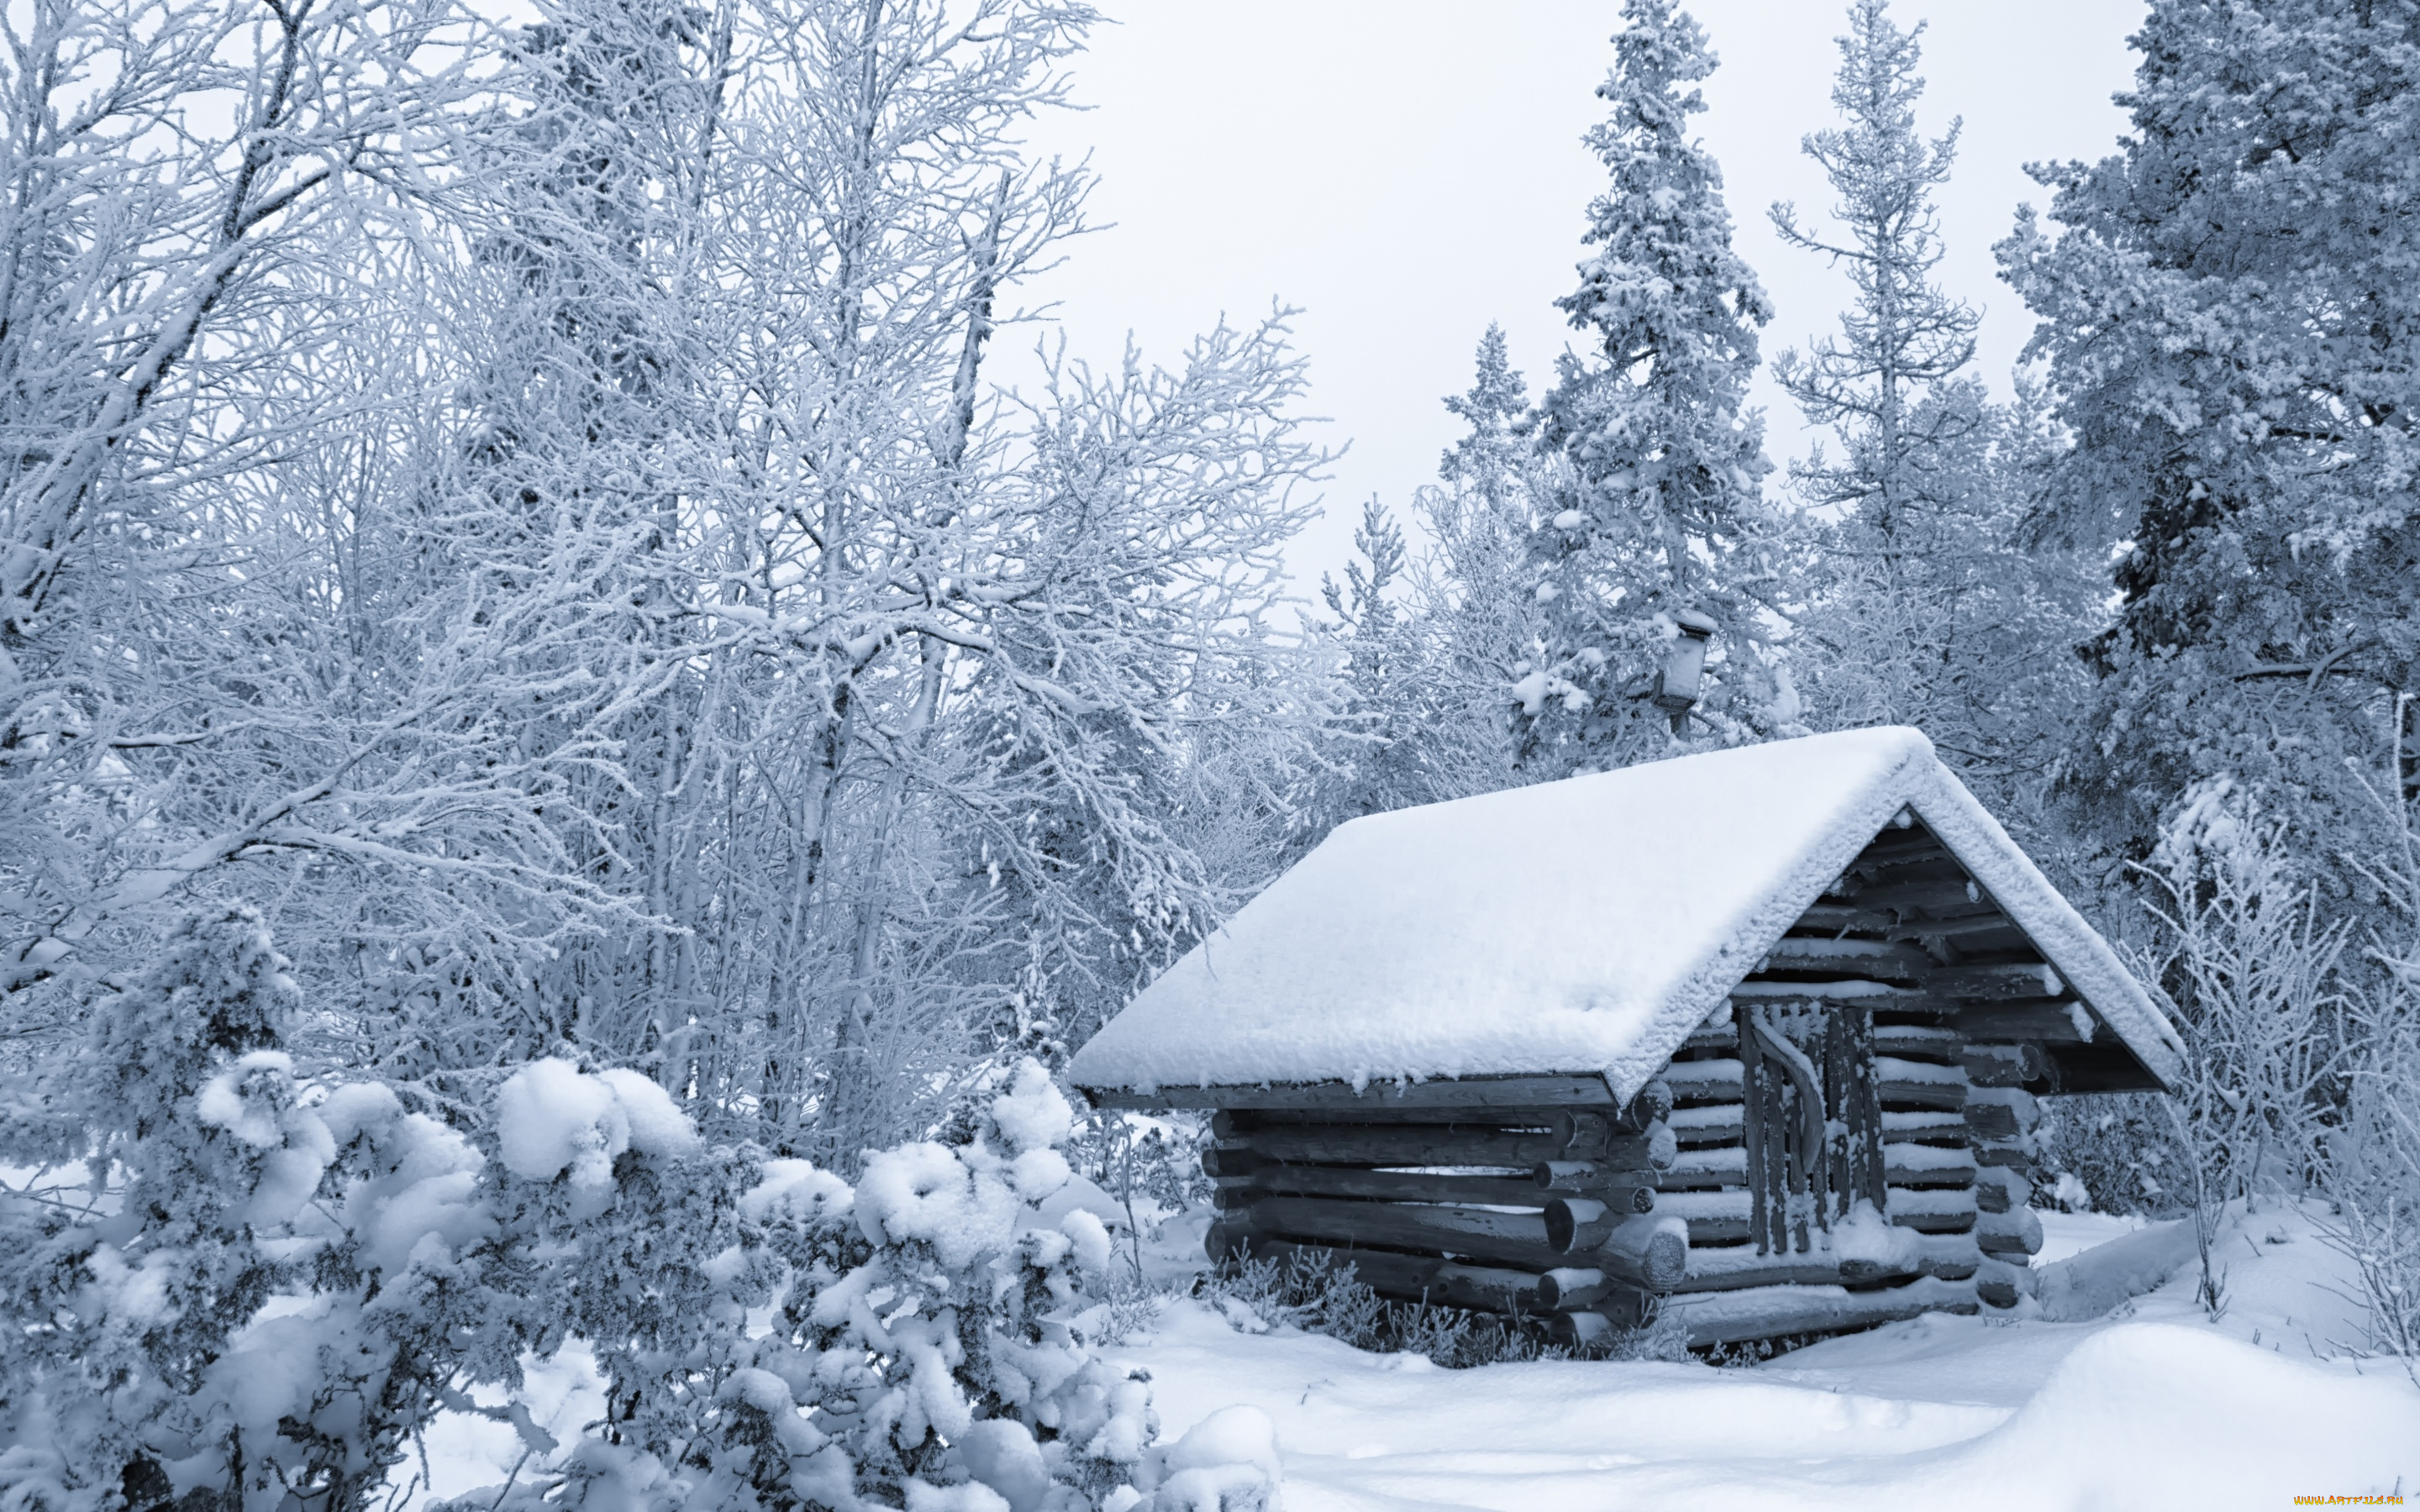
{"x": 773, "y": 1338}
{"x": 2119, "y": 1147}
{"x": 776, "y": 1339}
{"x": 258, "y": 1286}
{"x": 259, "y": 1289}
{"x": 2374, "y": 1178}
{"x": 2250, "y": 976}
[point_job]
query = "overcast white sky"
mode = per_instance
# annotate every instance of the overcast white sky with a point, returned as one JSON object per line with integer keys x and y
{"x": 1406, "y": 171}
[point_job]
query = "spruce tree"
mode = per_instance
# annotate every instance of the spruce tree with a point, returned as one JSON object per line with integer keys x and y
{"x": 1903, "y": 338}
{"x": 2230, "y": 318}
{"x": 1656, "y": 510}
{"x": 1915, "y": 606}
{"x": 1473, "y": 592}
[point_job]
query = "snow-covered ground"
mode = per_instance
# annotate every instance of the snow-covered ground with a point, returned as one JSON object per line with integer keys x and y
{"x": 2153, "y": 1406}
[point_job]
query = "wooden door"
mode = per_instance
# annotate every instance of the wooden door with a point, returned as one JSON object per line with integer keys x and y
{"x": 1811, "y": 1119}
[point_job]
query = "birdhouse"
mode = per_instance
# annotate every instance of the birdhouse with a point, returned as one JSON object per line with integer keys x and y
{"x": 1683, "y": 677}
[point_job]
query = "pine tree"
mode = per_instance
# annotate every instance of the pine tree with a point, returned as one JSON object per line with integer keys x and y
{"x": 1657, "y": 509}
{"x": 2230, "y": 318}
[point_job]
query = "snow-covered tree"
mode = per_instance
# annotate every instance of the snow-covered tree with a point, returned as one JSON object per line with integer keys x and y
{"x": 180, "y": 173}
{"x": 2228, "y": 321}
{"x": 1902, "y": 338}
{"x": 263, "y": 1285}
{"x": 592, "y": 601}
{"x": 1656, "y": 510}
{"x": 1915, "y": 603}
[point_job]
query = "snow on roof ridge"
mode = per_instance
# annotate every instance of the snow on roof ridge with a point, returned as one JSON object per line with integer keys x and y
{"x": 1585, "y": 925}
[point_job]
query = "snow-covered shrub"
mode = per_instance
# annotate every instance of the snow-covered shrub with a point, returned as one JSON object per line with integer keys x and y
{"x": 1152, "y": 1165}
{"x": 263, "y": 1294}
{"x": 2251, "y": 977}
{"x": 259, "y": 1286}
{"x": 2119, "y": 1146}
{"x": 1227, "y": 1462}
{"x": 773, "y": 1338}
{"x": 2374, "y": 1164}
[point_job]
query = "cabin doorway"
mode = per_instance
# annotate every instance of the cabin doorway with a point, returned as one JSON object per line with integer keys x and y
{"x": 1811, "y": 1119}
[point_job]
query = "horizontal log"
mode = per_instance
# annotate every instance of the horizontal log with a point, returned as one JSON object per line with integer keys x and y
{"x": 2033, "y": 978}
{"x": 1858, "y": 990}
{"x": 1417, "y": 1145}
{"x": 1382, "y": 1186}
{"x": 1694, "y": 1128}
{"x": 1718, "y": 1166}
{"x": 1422, "y": 1278}
{"x": 2018, "y": 1231}
{"x": 1646, "y": 1251}
{"x": 1902, "y": 1165}
{"x": 1714, "y": 1268}
{"x": 1995, "y": 1121}
{"x": 1651, "y": 1253}
{"x": 2000, "y": 1189}
{"x": 1618, "y": 1310}
{"x": 1737, "y": 1316}
{"x": 1879, "y": 960}
{"x": 1716, "y": 1080}
{"x": 1653, "y": 1101}
{"x": 1929, "y": 1201}
{"x": 2022, "y": 1106}
{"x": 1582, "y": 1089}
{"x": 1567, "y": 1286}
{"x": 1228, "y": 1236}
{"x": 2043, "y": 1022}
{"x": 2017, "y": 1155}
{"x": 1581, "y": 1222}
{"x": 1226, "y": 1162}
{"x": 1882, "y": 854}
{"x": 1831, "y": 918}
{"x": 1628, "y": 1191}
{"x": 1936, "y": 1222}
{"x": 1932, "y": 1039}
{"x": 1989, "y": 922}
{"x": 1900, "y": 1092}
{"x": 1940, "y": 895}
{"x": 2007, "y": 1065}
{"x": 1512, "y": 1239}
{"x": 1231, "y": 1122}
{"x": 1920, "y": 1127}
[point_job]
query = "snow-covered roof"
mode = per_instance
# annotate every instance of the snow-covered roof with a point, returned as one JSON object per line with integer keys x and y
{"x": 1586, "y": 925}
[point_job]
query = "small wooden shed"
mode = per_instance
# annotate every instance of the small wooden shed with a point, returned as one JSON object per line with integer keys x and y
{"x": 1759, "y": 1033}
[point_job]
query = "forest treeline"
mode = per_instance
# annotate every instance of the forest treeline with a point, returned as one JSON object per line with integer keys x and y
{"x": 514, "y": 523}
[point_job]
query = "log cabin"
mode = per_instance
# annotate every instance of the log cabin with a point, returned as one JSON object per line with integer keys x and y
{"x": 1755, "y": 1039}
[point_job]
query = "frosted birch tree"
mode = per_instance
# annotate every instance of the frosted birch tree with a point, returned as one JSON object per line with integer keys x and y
{"x": 187, "y": 186}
